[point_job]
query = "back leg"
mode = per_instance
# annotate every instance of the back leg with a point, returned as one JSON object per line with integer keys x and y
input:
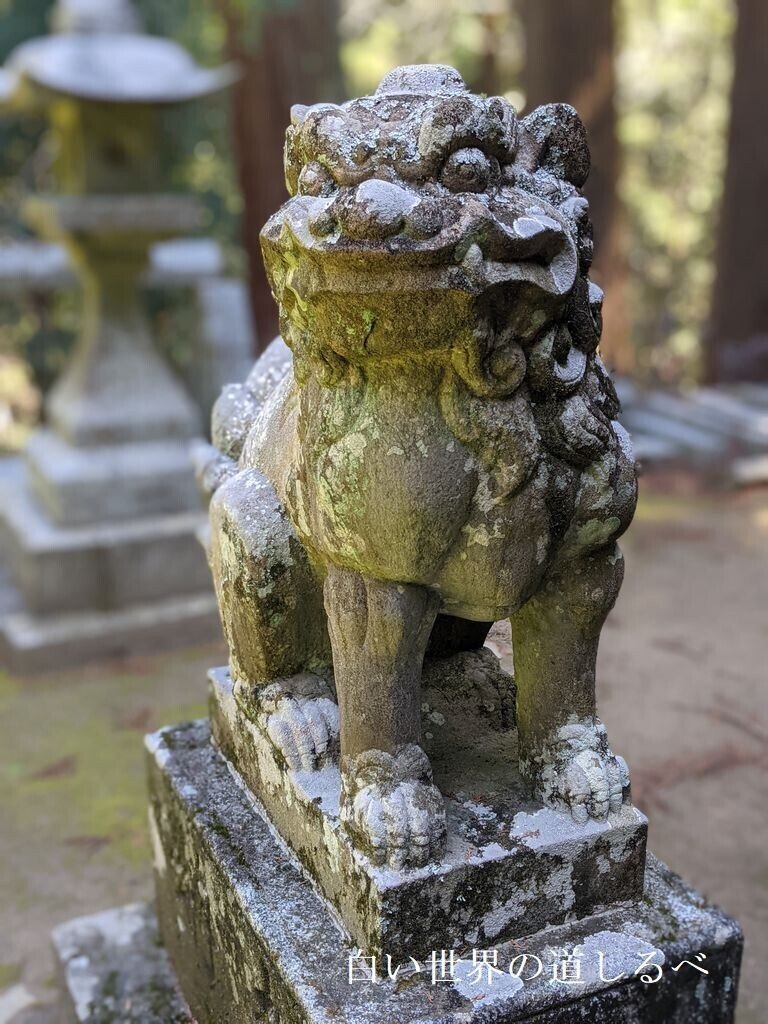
{"x": 564, "y": 751}
{"x": 271, "y": 606}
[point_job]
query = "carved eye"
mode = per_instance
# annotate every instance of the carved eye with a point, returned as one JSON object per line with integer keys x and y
{"x": 467, "y": 170}
{"x": 316, "y": 180}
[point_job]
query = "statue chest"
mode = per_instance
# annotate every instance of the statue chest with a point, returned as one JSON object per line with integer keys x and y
{"x": 379, "y": 482}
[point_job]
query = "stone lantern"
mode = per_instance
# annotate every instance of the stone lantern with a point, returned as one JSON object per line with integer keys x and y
{"x": 109, "y": 481}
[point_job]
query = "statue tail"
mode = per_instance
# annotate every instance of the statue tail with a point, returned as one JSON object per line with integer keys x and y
{"x": 234, "y": 414}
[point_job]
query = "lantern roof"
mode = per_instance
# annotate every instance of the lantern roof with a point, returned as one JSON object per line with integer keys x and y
{"x": 100, "y": 54}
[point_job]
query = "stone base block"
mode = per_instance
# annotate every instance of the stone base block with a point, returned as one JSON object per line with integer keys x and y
{"x": 111, "y": 483}
{"x": 252, "y": 940}
{"x": 511, "y": 866}
{"x": 113, "y": 968}
{"x": 101, "y": 567}
{"x": 30, "y": 643}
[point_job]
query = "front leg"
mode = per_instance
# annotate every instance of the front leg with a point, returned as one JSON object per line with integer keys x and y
{"x": 564, "y": 752}
{"x": 379, "y": 633}
{"x": 271, "y": 606}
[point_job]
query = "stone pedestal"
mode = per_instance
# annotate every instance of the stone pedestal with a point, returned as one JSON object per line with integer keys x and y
{"x": 511, "y": 866}
{"x": 108, "y": 495}
{"x": 263, "y": 915}
{"x": 250, "y": 938}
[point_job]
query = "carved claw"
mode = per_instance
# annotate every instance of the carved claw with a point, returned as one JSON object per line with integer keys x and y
{"x": 593, "y": 785}
{"x": 582, "y": 772}
{"x": 303, "y": 727}
{"x": 304, "y": 730}
{"x": 392, "y": 809}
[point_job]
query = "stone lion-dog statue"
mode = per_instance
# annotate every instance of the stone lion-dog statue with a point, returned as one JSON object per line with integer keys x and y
{"x": 437, "y": 451}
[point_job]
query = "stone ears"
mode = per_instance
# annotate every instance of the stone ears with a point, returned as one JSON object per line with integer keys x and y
{"x": 553, "y": 138}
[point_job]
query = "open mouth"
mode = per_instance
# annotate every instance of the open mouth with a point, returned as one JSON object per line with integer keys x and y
{"x": 479, "y": 248}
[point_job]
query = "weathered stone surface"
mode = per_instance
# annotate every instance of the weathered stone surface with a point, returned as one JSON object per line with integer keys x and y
{"x": 250, "y": 939}
{"x": 442, "y": 452}
{"x": 511, "y": 866}
{"x": 113, "y": 969}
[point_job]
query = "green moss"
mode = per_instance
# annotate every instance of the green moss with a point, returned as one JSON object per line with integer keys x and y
{"x": 9, "y": 974}
{"x": 72, "y": 775}
{"x": 219, "y": 828}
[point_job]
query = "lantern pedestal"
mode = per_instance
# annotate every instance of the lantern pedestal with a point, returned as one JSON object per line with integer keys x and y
{"x": 109, "y": 494}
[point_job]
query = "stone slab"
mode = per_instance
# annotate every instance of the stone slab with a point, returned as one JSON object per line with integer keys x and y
{"x": 511, "y": 865}
{"x": 251, "y": 939}
{"x": 78, "y": 486}
{"x": 30, "y": 643}
{"x": 112, "y": 968}
{"x": 747, "y": 424}
{"x": 691, "y": 439}
{"x": 226, "y": 342}
{"x": 156, "y": 215}
{"x": 649, "y": 449}
{"x": 98, "y": 567}
{"x": 46, "y": 266}
{"x": 754, "y": 394}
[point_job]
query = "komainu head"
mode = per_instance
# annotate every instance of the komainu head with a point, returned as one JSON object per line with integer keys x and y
{"x": 430, "y": 225}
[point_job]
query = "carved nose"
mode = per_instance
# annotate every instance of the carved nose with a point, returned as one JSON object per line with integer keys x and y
{"x": 529, "y": 237}
{"x": 376, "y": 210}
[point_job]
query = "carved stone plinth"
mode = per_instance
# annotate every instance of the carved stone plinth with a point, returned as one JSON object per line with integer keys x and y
{"x": 112, "y": 968}
{"x": 511, "y": 865}
{"x": 250, "y": 939}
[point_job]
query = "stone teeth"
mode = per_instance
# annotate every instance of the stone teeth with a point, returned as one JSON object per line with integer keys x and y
{"x": 529, "y": 227}
{"x": 473, "y": 260}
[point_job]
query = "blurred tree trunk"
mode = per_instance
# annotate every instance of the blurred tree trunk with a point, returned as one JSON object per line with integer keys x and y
{"x": 487, "y": 79}
{"x": 570, "y": 52}
{"x": 288, "y": 53}
{"x": 736, "y": 345}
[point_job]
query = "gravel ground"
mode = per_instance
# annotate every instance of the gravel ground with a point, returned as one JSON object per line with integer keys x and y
{"x": 683, "y": 692}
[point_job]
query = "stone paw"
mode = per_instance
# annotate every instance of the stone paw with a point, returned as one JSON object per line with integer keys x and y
{"x": 304, "y": 727}
{"x": 582, "y": 772}
{"x": 392, "y": 809}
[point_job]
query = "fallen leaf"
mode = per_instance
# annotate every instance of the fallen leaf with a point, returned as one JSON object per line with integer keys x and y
{"x": 91, "y": 844}
{"x": 56, "y": 769}
{"x": 138, "y": 720}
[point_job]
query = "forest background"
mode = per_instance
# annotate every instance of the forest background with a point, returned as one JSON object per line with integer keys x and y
{"x": 672, "y": 92}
